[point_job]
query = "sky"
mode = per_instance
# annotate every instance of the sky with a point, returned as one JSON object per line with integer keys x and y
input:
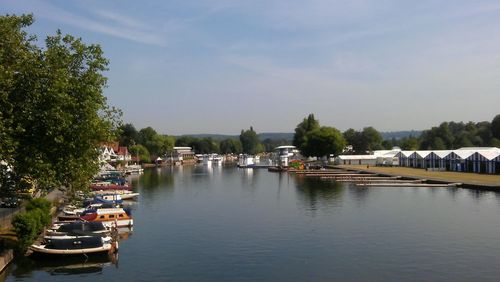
{"x": 185, "y": 67}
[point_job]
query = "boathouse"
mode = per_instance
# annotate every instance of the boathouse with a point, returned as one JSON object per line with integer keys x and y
{"x": 182, "y": 153}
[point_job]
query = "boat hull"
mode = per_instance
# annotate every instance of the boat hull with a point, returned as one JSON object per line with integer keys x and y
{"x": 40, "y": 249}
{"x": 110, "y": 187}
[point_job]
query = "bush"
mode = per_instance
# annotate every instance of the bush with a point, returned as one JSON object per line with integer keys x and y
{"x": 26, "y": 229}
{"x": 30, "y": 223}
{"x": 39, "y": 203}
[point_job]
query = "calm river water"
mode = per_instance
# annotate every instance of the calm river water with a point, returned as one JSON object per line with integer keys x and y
{"x": 226, "y": 224}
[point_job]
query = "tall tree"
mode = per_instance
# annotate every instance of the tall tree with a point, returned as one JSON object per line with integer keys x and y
{"x": 250, "y": 142}
{"x": 128, "y": 135}
{"x": 495, "y": 127}
{"x": 58, "y": 114}
{"x": 371, "y": 139}
{"x": 323, "y": 141}
{"x": 307, "y": 125}
{"x": 141, "y": 152}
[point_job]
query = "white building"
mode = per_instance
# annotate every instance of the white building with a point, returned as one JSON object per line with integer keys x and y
{"x": 379, "y": 157}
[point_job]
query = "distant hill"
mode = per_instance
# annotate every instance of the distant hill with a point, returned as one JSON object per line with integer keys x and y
{"x": 289, "y": 136}
{"x": 400, "y": 134}
{"x": 216, "y": 137}
{"x": 276, "y": 136}
{"x": 262, "y": 136}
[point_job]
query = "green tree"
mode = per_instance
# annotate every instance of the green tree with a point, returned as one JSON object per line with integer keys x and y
{"x": 57, "y": 112}
{"x": 323, "y": 142}
{"x": 371, "y": 139}
{"x": 495, "y": 127}
{"x": 307, "y": 125}
{"x": 142, "y": 152}
{"x": 250, "y": 142}
{"x": 409, "y": 143}
{"x": 269, "y": 144}
{"x": 128, "y": 135}
{"x": 230, "y": 146}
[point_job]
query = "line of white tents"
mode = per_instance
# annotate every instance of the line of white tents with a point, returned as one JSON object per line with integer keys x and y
{"x": 467, "y": 159}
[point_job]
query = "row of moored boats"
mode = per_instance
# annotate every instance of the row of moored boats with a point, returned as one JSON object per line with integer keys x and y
{"x": 92, "y": 227}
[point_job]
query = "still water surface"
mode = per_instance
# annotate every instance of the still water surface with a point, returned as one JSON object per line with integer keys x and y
{"x": 226, "y": 224}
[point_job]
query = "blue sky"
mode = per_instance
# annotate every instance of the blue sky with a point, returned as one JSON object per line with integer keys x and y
{"x": 222, "y": 66}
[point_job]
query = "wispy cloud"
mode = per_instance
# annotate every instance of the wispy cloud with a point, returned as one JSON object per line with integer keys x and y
{"x": 105, "y": 22}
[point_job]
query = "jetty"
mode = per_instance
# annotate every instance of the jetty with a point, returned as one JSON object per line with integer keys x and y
{"x": 364, "y": 178}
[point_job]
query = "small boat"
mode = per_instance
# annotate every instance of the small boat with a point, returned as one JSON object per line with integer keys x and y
{"x": 129, "y": 196}
{"x": 124, "y": 194}
{"x": 107, "y": 201}
{"x": 109, "y": 186}
{"x": 133, "y": 169}
{"x": 105, "y": 238}
{"x": 117, "y": 217}
{"x": 78, "y": 227}
{"x": 73, "y": 246}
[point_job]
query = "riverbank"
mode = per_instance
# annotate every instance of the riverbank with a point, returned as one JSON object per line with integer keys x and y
{"x": 469, "y": 180}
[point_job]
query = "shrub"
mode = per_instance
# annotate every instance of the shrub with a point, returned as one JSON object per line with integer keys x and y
{"x": 30, "y": 223}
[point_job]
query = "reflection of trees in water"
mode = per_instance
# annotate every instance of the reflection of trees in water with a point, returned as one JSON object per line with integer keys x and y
{"x": 315, "y": 193}
{"x": 155, "y": 178}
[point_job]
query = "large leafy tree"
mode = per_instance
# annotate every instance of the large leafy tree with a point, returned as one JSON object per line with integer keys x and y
{"x": 156, "y": 144}
{"x": 365, "y": 141}
{"x": 250, "y": 142}
{"x": 141, "y": 153}
{"x": 128, "y": 135}
{"x": 495, "y": 127}
{"x": 323, "y": 142}
{"x": 229, "y": 146}
{"x": 307, "y": 125}
{"x": 53, "y": 110}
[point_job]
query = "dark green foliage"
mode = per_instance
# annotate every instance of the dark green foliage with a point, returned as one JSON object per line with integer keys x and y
{"x": 142, "y": 152}
{"x": 495, "y": 127}
{"x": 128, "y": 135}
{"x": 157, "y": 145}
{"x": 269, "y": 144}
{"x": 365, "y": 141}
{"x": 454, "y": 135}
{"x": 250, "y": 142}
{"x": 30, "y": 223}
{"x": 323, "y": 142}
{"x": 230, "y": 146}
{"x": 52, "y": 109}
{"x": 307, "y": 125}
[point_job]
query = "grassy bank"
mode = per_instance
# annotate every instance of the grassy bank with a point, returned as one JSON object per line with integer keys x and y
{"x": 449, "y": 176}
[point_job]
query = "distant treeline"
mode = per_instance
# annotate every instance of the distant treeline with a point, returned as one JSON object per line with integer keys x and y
{"x": 308, "y": 135}
{"x": 448, "y": 135}
{"x": 148, "y": 144}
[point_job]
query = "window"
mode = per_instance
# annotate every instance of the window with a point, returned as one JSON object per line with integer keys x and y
{"x": 111, "y": 216}
{"x": 121, "y": 215}
{"x": 102, "y": 216}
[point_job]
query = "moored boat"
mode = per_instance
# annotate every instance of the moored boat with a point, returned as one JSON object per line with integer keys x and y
{"x": 78, "y": 227}
{"x": 73, "y": 246}
{"x": 109, "y": 186}
{"x": 118, "y": 217}
{"x": 124, "y": 194}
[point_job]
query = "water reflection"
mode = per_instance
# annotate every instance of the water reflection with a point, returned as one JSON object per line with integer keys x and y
{"x": 317, "y": 194}
{"x": 73, "y": 265}
{"x": 158, "y": 177}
